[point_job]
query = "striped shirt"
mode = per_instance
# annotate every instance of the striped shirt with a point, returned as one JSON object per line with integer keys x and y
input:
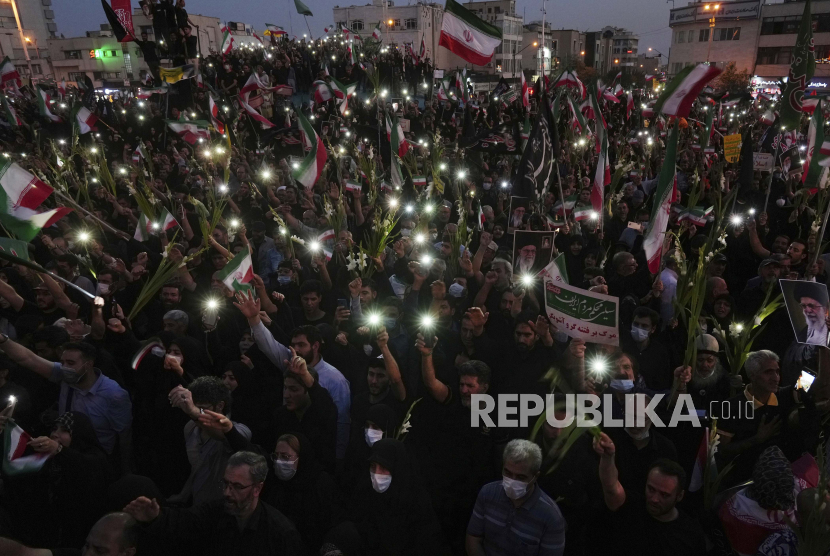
{"x": 534, "y": 528}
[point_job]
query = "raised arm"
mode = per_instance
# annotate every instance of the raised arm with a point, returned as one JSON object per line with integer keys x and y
{"x": 273, "y": 350}
{"x": 8, "y": 293}
{"x": 25, "y": 358}
{"x": 438, "y": 389}
{"x": 395, "y": 381}
{"x": 612, "y": 490}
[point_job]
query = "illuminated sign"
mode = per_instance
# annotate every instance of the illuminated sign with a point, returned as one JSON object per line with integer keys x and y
{"x": 726, "y": 10}
{"x": 96, "y": 53}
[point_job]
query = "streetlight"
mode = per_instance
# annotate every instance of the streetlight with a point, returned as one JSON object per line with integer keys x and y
{"x": 713, "y": 8}
{"x": 534, "y": 44}
{"x": 23, "y": 39}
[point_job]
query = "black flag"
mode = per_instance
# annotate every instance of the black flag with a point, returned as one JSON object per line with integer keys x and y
{"x": 538, "y": 165}
{"x": 503, "y": 139}
{"x": 117, "y": 29}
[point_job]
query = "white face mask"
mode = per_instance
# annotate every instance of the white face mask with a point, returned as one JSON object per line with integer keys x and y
{"x": 102, "y": 289}
{"x": 456, "y": 290}
{"x": 285, "y": 469}
{"x": 487, "y": 185}
{"x": 514, "y": 489}
{"x": 372, "y": 436}
{"x": 622, "y": 385}
{"x": 406, "y": 232}
{"x": 177, "y": 358}
{"x": 380, "y": 482}
{"x": 638, "y": 334}
{"x": 158, "y": 351}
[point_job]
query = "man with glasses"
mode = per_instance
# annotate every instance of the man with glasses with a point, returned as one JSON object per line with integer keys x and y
{"x": 239, "y": 524}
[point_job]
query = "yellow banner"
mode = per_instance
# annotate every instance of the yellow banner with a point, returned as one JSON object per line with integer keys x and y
{"x": 732, "y": 147}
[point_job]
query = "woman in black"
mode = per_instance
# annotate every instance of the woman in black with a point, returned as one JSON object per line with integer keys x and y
{"x": 249, "y": 389}
{"x": 391, "y": 510}
{"x": 302, "y": 490}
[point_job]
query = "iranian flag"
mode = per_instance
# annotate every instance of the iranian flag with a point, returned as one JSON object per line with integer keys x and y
{"x": 167, "y": 220}
{"x": 569, "y": 79}
{"x": 312, "y": 165}
{"x": 394, "y": 133}
{"x": 253, "y": 84}
{"x": 227, "y": 41}
{"x": 556, "y": 270}
{"x": 8, "y": 73}
{"x": 21, "y": 194}
{"x": 353, "y": 186}
{"x": 578, "y": 120}
{"x": 467, "y": 36}
{"x": 808, "y": 105}
{"x": 190, "y": 130}
{"x": 143, "y": 228}
{"x": 43, "y": 101}
{"x": 322, "y": 92}
{"x": 566, "y": 208}
{"x": 681, "y": 93}
{"x": 664, "y": 197}
{"x": 340, "y": 90}
{"x": 10, "y": 112}
{"x": 377, "y": 34}
{"x": 273, "y": 30}
{"x": 702, "y": 460}
{"x": 146, "y": 92}
{"x": 83, "y": 119}
{"x": 419, "y": 181}
{"x": 19, "y": 457}
{"x": 629, "y": 105}
{"x": 239, "y": 272}
{"x": 214, "y": 115}
{"x": 146, "y": 350}
{"x": 62, "y": 88}
{"x": 602, "y": 177}
{"x": 525, "y": 92}
{"x": 583, "y": 212}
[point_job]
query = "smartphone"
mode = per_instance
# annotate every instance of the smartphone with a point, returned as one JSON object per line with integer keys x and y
{"x": 343, "y": 303}
{"x": 635, "y": 226}
{"x": 210, "y": 316}
{"x": 429, "y": 339}
{"x": 805, "y": 380}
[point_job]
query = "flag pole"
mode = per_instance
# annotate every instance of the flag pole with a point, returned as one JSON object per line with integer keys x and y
{"x": 820, "y": 235}
{"x": 309, "y": 27}
{"x": 37, "y": 268}
{"x": 78, "y": 207}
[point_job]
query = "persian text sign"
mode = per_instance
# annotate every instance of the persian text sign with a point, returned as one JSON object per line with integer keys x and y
{"x": 124, "y": 12}
{"x": 732, "y": 147}
{"x": 582, "y": 314}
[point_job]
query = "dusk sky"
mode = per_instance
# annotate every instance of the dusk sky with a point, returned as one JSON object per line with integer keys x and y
{"x": 649, "y": 18}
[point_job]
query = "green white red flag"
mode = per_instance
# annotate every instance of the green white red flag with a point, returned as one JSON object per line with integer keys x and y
{"x": 227, "y": 41}
{"x": 467, "y": 35}
{"x": 312, "y": 165}
{"x": 190, "y": 130}
{"x": 19, "y": 458}
{"x": 10, "y": 113}
{"x": 683, "y": 90}
{"x": 665, "y": 195}
{"x": 83, "y": 119}
{"x": 21, "y": 194}
{"x": 43, "y": 101}
{"x": 239, "y": 272}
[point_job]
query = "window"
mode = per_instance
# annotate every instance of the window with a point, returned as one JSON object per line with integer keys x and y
{"x": 727, "y": 34}
{"x": 357, "y": 25}
{"x": 100, "y": 75}
{"x": 691, "y": 36}
{"x": 703, "y": 36}
{"x": 110, "y": 53}
{"x": 786, "y": 25}
{"x": 77, "y": 76}
{"x": 72, "y": 54}
{"x": 775, "y": 55}
{"x": 397, "y": 23}
{"x": 8, "y": 22}
{"x": 147, "y": 29}
{"x": 411, "y": 23}
{"x": 497, "y": 10}
{"x": 36, "y": 69}
{"x": 489, "y": 10}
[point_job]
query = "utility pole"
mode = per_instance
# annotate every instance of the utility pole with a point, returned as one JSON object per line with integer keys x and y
{"x": 714, "y": 8}
{"x": 542, "y": 62}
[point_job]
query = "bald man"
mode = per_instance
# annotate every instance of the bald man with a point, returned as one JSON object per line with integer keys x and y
{"x": 115, "y": 534}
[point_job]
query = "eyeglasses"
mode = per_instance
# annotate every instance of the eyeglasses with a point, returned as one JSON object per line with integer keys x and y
{"x": 236, "y": 487}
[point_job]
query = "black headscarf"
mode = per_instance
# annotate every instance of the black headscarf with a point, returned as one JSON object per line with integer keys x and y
{"x": 384, "y": 418}
{"x": 195, "y": 362}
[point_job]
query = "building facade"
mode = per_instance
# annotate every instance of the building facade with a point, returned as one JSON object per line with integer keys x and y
{"x": 624, "y": 50}
{"x": 734, "y": 37}
{"x": 598, "y": 48}
{"x": 38, "y": 23}
{"x": 111, "y": 64}
{"x": 539, "y": 53}
{"x": 567, "y": 47}
{"x": 502, "y": 14}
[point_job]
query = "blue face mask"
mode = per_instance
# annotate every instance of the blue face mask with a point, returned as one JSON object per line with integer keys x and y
{"x": 390, "y": 323}
{"x": 283, "y": 280}
{"x": 620, "y": 385}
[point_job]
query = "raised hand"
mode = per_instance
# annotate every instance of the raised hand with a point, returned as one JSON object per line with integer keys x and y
{"x": 142, "y": 509}
{"x": 247, "y": 305}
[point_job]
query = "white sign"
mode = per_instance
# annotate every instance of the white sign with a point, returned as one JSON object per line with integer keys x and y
{"x": 763, "y": 161}
{"x": 404, "y": 124}
{"x": 438, "y": 74}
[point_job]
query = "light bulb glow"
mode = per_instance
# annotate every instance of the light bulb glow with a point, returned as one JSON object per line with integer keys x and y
{"x": 212, "y": 304}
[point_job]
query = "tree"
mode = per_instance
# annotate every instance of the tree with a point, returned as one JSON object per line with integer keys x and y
{"x": 732, "y": 80}
{"x": 585, "y": 73}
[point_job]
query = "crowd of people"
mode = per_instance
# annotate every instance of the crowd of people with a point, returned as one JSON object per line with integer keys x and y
{"x": 326, "y": 407}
